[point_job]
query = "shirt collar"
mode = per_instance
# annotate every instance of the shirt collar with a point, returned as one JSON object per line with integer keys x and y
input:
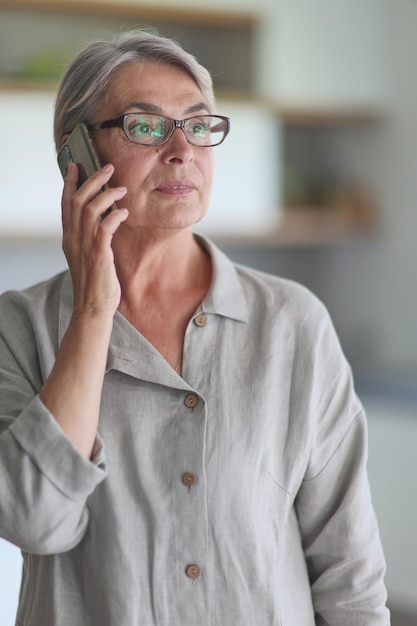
{"x": 127, "y": 348}
{"x": 226, "y": 296}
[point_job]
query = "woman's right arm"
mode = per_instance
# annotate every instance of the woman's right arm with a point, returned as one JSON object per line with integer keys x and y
{"x": 44, "y": 479}
{"x": 72, "y": 392}
{"x": 50, "y": 456}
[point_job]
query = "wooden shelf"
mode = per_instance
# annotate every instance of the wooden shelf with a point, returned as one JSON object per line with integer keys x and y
{"x": 324, "y": 118}
{"x": 308, "y": 226}
{"x": 302, "y": 226}
{"x": 142, "y": 11}
{"x": 18, "y": 84}
{"x": 35, "y": 84}
{"x": 318, "y": 116}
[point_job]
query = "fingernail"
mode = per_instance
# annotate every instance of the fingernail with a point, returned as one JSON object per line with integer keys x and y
{"x": 108, "y": 168}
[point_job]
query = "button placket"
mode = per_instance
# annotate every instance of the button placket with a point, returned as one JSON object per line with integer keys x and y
{"x": 190, "y": 499}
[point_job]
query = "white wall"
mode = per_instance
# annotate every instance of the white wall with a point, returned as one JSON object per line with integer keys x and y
{"x": 10, "y": 574}
{"x": 30, "y": 181}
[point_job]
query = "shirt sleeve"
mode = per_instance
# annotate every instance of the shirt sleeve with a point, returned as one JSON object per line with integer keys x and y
{"x": 44, "y": 481}
{"x": 337, "y": 522}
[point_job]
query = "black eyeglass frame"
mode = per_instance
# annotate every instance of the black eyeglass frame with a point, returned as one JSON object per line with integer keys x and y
{"x": 121, "y": 122}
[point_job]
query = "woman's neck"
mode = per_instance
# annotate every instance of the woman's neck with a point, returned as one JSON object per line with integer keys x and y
{"x": 163, "y": 270}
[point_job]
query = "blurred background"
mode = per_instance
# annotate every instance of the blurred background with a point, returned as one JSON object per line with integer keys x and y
{"x": 317, "y": 182}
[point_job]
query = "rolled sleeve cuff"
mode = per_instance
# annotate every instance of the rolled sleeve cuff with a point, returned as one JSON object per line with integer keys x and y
{"x": 43, "y": 440}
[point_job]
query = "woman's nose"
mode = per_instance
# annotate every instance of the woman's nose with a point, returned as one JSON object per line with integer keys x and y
{"x": 177, "y": 146}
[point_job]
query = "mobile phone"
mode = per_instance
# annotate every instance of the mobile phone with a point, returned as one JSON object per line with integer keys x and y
{"x": 79, "y": 148}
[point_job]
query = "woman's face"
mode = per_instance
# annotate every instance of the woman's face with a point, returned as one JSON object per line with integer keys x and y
{"x": 169, "y": 185}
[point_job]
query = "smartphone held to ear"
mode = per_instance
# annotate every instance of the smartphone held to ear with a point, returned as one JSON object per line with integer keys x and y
{"x": 79, "y": 148}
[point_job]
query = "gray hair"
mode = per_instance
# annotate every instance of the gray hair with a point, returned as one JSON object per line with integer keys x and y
{"x": 86, "y": 80}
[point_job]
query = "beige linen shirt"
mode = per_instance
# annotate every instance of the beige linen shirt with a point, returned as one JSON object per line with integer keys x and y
{"x": 233, "y": 495}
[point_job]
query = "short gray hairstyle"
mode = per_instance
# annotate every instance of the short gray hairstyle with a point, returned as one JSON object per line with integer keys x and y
{"x": 87, "y": 78}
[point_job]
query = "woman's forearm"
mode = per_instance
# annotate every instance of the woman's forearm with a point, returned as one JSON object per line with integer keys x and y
{"x": 72, "y": 392}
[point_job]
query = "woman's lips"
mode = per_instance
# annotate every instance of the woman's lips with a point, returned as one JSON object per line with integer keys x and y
{"x": 176, "y": 187}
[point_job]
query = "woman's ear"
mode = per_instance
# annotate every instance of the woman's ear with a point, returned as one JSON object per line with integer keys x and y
{"x": 64, "y": 138}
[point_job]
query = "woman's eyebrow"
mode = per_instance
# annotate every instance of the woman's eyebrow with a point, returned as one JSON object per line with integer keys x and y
{"x": 148, "y": 107}
{"x": 195, "y": 108}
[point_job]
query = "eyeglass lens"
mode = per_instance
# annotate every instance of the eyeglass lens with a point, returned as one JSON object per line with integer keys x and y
{"x": 152, "y": 129}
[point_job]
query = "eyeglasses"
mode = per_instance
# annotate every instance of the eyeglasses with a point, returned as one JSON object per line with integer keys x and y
{"x": 152, "y": 129}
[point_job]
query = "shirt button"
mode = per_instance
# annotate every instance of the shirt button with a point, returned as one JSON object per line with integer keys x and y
{"x": 200, "y": 320}
{"x": 188, "y": 479}
{"x": 193, "y": 571}
{"x": 191, "y": 400}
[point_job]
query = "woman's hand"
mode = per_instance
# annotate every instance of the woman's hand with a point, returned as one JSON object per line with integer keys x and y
{"x": 87, "y": 238}
{"x": 72, "y": 392}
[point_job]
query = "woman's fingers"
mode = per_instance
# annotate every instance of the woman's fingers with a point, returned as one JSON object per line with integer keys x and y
{"x": 84, "y": 207}
{"x": 88, "y": 229}
{"x": 75, "y": 199}
{"x": 93, "y": 185}
{"x": 106, "y": 229}
{"x": 70, "y": 188}
{"x": 97, "y": 211}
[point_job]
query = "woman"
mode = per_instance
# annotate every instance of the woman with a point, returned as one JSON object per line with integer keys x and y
{"x": 181, "y": 442}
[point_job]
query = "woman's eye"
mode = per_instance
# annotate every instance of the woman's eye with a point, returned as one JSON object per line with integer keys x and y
{"x": 144, "y": 128}
{"x": 200, "y": 130}
{"x": 141, "y": 129}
